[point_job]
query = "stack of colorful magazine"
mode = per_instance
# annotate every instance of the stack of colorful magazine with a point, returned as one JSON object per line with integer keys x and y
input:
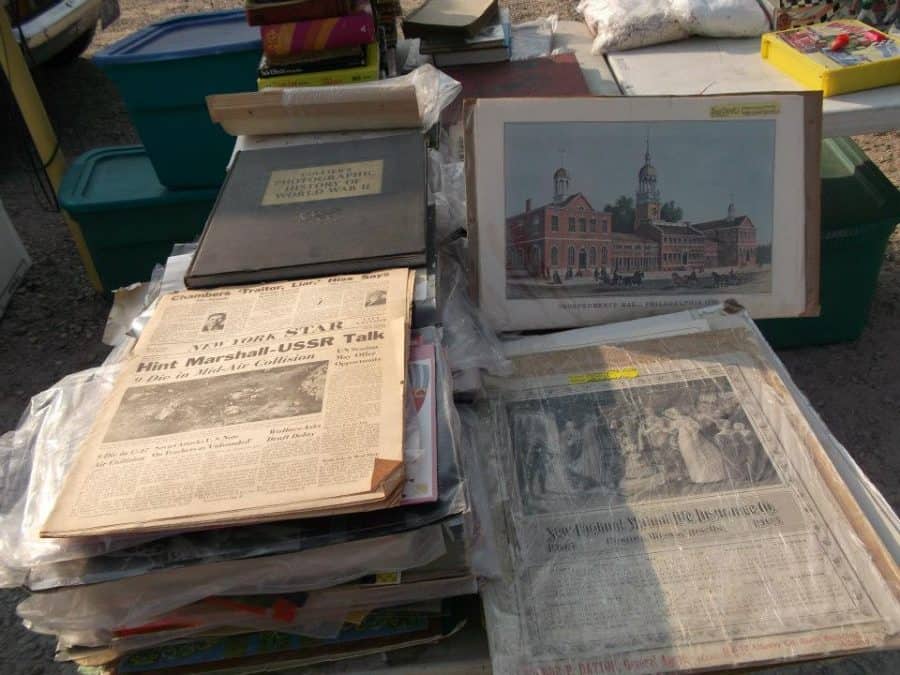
{"x": 316, "y": 42}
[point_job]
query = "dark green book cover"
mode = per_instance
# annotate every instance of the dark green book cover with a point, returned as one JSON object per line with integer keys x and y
{"x": 316, "y": 210}
{"x": 333, "y": 59}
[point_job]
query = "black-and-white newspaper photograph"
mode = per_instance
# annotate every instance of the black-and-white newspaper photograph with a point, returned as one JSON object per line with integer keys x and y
{"x": 606, "y": 448}
{"x": 223, "y": 400}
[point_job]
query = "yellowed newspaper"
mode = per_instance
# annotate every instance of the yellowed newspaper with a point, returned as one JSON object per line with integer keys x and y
{"x": 668, "y": 504}
{"x": 247, "y": 404}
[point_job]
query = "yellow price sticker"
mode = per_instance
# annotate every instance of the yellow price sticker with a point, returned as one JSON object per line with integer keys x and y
{"x": 745, "y": 110}
{"x": 387, "y": 578}
{"x": 604, "y": 376}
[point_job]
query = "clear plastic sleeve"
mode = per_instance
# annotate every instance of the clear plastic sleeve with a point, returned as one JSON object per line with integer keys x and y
{"x": 435, "y": 90}
{"x": 99, "y": 609}
{"x": 34, "y": 460}
{"x": 662, "y": 481}
{"x": 408, "y": 101}
{"x": 323, "y": 625}
{"x": 533, "y": 39}
{"x": 316, "y": 613}
{"x": 453, "y": 188}
{"x": 412, "y": 57}
{"x": 234, "y": 543}
{"x": 482, "y": 537}
{"x": 128, "y": 302}
{"x": 469, "y": 341}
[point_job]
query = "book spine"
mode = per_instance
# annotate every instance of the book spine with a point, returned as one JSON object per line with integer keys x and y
{"x": 260, "y": 15}
{"x": 366, "y": 73}
{"x": 277, "y": 71}
{"x": 292, "y": 38}
{"x": 323, "y": 79}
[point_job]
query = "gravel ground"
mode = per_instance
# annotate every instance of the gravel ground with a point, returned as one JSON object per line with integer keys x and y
{"x": 53, "y": 324}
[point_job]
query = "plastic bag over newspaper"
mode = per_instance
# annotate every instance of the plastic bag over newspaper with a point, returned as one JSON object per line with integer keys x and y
{"x": 665, "y": 499}
{"x": 34, "y": 460}
{"x": 412, "y": 100}
{"x": 95, "y": 611}
{"x": 41, "y": 448}
{"x": 235, "y": 543}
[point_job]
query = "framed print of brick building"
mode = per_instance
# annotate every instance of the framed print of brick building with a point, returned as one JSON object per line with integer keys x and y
{"x": 584, "y": 211}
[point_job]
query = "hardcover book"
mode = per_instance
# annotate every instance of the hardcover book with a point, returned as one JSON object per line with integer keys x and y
{"x": 316, "y": 209}
{"x": 356, "y": 28}
{"x": 483, "y": 48}
{"x": 550, "y": 76}
{"x": 494, "y": 34}
{"x": 312, "y": 62}
{"x": 439, "y": 17}
{"x": 367, "y": 72}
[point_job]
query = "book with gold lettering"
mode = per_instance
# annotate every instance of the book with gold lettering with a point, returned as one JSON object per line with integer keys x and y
{"x": 316, "y": 209}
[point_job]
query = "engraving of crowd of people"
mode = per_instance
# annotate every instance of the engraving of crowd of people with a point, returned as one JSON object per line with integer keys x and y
{"x": 634, "y": 447}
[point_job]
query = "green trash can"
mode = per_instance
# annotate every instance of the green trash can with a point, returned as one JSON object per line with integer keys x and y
{"x": 860, "y": 208}
{"x": 128, "y": 220}
{"x": 164, "y": 73}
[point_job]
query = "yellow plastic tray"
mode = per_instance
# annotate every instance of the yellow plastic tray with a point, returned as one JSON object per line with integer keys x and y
{"x": 803, "y": 53}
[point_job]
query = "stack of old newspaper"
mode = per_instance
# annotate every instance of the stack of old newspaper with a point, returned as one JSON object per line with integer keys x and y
{"x": 266, "y": 477}
{"x": 663, "y": 498}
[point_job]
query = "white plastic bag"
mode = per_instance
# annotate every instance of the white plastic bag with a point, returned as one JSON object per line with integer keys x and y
{"x": 618, "y": 25}
{"x": 533, "y": 39}
{"x": 722, "y": 18}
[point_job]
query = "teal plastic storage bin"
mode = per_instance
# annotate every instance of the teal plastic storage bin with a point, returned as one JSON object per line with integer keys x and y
{"x": 164, "y": 73}
{"x": 860, "y": 208}
{"x": 129, "y": 221}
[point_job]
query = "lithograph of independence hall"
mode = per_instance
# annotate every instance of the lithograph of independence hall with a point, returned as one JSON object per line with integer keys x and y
{"x": 588, "y": 211}
{"x": 565, "y": 245}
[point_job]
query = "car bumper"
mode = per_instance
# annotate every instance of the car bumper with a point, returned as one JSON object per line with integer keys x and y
{"x": 56, "y": 28}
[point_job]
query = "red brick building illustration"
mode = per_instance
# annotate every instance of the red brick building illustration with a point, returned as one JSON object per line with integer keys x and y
{"x": 569, "y": 237}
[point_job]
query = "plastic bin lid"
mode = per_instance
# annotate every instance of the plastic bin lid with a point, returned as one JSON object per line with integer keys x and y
{"x": 854, "y": 191}
{"x": 106, "y": 179}
{"x": 184, "y": 37}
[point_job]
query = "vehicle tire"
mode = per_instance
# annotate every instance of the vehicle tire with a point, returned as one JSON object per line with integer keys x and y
{"x": 74, "y": 50}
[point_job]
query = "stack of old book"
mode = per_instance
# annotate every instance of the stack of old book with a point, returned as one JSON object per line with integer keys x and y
{"x": 460, "y": 32}
{"x": 315, "y": 42}
{"x": 267, "y": 475}
{"x": 491, "y": 44}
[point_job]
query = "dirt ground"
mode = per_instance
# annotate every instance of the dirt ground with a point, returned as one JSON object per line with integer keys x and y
{"x": 54, "y": 323}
